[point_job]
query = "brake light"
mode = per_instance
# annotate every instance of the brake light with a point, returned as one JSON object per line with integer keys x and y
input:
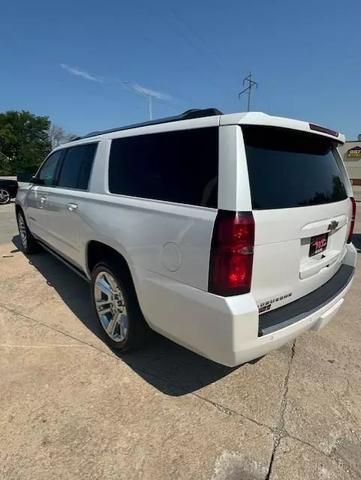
{"x": 318, "y": 128}
{"x": 231, "y": 259}
{"x": 353, "y": 217}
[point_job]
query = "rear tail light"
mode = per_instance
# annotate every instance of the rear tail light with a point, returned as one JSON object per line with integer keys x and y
{"x": 352, "y": 223}
{"x": 231, "y": 260}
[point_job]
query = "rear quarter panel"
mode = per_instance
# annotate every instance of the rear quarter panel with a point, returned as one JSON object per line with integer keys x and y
{"x": 167, "y": 239}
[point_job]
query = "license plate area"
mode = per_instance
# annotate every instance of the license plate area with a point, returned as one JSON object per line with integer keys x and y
{"x": 318, "y": 244}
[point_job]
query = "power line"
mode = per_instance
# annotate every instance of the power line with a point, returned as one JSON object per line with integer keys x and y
{"x": 206, "y": 46}
{"x": 189, "y": 38}
{"x": 200, "y": 40}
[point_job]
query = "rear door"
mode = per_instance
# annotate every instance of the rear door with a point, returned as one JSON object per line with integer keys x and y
{"x": 301, "y": 209}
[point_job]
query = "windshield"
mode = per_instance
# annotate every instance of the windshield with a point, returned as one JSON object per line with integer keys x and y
{"x": 288, "y": 168}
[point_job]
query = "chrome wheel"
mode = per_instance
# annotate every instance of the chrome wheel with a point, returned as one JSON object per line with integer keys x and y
{"x": 4, "y": 196}
{"x": 110, "y": 306}
{"x": 22, "y": 231}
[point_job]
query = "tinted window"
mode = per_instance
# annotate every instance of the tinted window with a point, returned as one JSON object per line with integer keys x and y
{"x": 76, "y": 168}
{"x": 288, "y": 168}
{"x": 179, "y": 166}
{"x": 48, "y": 172}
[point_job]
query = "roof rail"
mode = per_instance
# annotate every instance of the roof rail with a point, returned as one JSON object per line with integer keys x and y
{"x": 189, "y": 114}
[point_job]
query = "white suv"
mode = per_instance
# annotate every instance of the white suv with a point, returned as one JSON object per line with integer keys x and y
{"x": 229, "y": 234}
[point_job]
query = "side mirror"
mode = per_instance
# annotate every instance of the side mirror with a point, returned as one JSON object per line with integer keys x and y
{"x": 36, "y": 181}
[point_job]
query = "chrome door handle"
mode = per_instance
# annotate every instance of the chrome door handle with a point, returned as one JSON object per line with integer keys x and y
{"x": 71, "y": 207}
{"x": 42, "y": 199}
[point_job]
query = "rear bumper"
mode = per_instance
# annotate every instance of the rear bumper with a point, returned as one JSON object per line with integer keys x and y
{"x": 229, "y": 330}
{"x": 305, "y": 306}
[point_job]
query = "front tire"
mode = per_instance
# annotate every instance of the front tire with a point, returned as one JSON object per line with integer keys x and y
{"x": 4, "y": 196}
{"x": 28, "y": 242}
{"x": 116, "y": 307}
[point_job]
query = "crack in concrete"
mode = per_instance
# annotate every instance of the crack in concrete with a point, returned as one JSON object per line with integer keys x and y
{"x": 279, "y": 432}
{"x": 35, "y": 320}
{"x": 304, "y": 442}
{"x": 331, "y": 456}
{"x": 220, "y": 407}
{"x": 224, "y": 409}
{"x": 229, "y": 411}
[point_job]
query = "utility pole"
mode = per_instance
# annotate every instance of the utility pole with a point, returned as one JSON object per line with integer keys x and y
{"x": 250, "y": 84}
{"x": 144, "y": 92}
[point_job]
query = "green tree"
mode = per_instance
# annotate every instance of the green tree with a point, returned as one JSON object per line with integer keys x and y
{"x": 24, "y": 141}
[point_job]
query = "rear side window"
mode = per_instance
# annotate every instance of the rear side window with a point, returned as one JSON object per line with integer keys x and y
{"x": 76, "y": 168}
{"x": 288, "y": 168}
{"x": 179, "y": 166}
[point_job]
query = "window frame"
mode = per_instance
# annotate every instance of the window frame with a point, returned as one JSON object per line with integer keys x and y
{"x": 156, "y": 200}
{"x": 334, "y": 144}
{"x": 66, "y": 150}
{"x": 60, "y": 162}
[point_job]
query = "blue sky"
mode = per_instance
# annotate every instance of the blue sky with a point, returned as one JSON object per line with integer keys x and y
{"x": 70, "y": 59}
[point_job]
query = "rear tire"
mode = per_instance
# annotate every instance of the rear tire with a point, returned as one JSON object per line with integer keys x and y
{"x": 116, "y": 307}
{"x": 28, "y": 242}
{"x": 4, "y": 196}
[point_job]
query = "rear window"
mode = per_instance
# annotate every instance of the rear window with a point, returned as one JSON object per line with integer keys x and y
{"x": 288, "y": 168}
{"x": 179, "y": 166}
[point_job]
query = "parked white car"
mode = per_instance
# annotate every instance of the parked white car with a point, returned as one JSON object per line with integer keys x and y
{"x": 229, "y": 234}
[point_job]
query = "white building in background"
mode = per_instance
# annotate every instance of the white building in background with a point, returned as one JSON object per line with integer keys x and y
{"x": 351, "y": 155}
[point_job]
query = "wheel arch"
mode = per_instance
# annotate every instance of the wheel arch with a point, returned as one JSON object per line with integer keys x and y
{"x": 97, "y": 251}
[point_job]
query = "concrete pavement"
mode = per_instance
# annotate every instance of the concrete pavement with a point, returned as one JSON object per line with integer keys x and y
{"x": 8, "y": 226}
{"x": 72, "y": 409}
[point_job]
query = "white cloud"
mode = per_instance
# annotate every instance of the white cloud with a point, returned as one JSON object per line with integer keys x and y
{"x": 145, "y": 91}
{"x": 132, "y": 86}
{"x": 80, "y": 73}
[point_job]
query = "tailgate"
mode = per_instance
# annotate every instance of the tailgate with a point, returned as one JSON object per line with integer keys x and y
{"x": 301, "y": 210}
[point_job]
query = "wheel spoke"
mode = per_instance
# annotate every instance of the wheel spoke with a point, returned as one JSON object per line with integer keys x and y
{"x": 110, "y": 306}
{"x": 111, "y": 281}
{"x": 123, "y": 325}
{"x": 104, "y": 311}
{"x": 104, "y": 287}
{"x": 112, "y": 324}
{"x": 102, "y": 303}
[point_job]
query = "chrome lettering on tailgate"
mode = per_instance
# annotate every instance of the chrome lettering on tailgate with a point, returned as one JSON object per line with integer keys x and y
{"x": 267, "y": 304}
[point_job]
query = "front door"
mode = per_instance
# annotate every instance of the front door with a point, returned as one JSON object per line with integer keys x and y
{"x": 37, "y": 208}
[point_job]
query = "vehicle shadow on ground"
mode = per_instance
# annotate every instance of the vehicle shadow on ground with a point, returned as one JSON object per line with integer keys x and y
{"x": 167, "y": 366}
